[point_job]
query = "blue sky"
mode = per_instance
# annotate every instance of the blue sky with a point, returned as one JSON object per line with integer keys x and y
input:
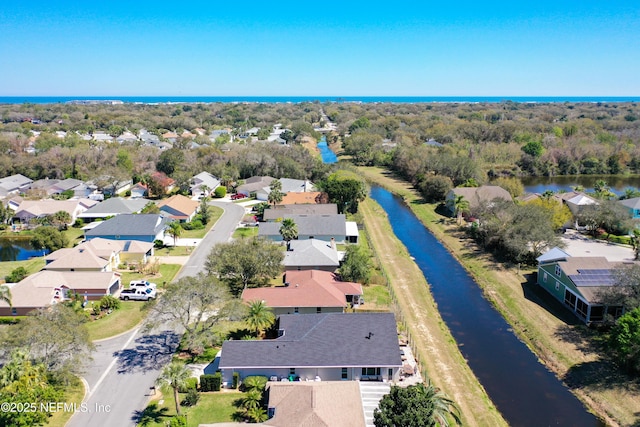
{"x": 259, "y": 48}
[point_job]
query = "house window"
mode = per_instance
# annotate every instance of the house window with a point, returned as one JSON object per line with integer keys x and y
{"x": 544, "y": 277}
{"x": 371, "y": 371}
{"x": 14, "y": 311}
{"x": 345, "y": 374}
{"x": 570, "y": 299}
{"x": 295, "y": 309}
{"x": 292, "y": 371}
{"x": 318, "y": 309}
{"x": 582, "y": 308}
{"x": 558, "y": 270}
{"x": 390, "y": 373}
{"x": 557, "y": 285}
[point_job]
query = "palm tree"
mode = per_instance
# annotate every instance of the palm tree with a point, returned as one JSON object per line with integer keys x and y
{"x": 5, "y": 295}
{"x": 254, "y": 382}
{"x": 288, "y": 230}
{"x": 175, "y": 375}
{"x": 252, "y": 399}
{"x": 443, "y": 407}
{"x": 260, "y": 316}
{"x": 275, "y": 195}
{"x": 257, "y": 415}
{"x": 460, "y": 206}
{"x": 175, "y": 230}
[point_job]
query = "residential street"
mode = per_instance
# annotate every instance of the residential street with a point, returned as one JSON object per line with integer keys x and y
{"x": 125, "y": 368}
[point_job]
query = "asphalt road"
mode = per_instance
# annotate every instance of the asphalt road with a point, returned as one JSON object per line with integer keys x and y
{"x": 124, "y": 368}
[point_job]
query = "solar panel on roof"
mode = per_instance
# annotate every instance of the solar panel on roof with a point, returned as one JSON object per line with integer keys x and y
{"x": 593, "y": 277}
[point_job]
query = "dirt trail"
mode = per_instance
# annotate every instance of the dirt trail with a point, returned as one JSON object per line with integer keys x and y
{"x": 439, "y": 353}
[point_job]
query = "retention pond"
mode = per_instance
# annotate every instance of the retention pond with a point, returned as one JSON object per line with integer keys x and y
{"x": 525, "y": 392}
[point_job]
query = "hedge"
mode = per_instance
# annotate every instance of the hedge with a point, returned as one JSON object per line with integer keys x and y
{"x": 210, "y": 382}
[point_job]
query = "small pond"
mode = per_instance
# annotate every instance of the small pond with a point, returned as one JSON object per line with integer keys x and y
{"x": 18, "y": 250}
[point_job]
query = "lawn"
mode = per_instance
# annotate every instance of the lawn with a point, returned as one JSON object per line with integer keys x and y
{"x": 216, "y": 213}
{"x": 376, "y": 297}
{"x": 32, "y": 266}
{"x": 174, "y": 251}
{"x": 243, "y": 232}
{"x": 165, "y": 275}
{"x": 73, "y": 394}
{"x": 125, "y": 318}
{"x": 213, "y": 407}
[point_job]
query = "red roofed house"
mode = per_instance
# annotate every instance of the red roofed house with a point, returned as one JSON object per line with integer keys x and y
{"x": 163, "y": 180}
{"x": 306, "y": 292}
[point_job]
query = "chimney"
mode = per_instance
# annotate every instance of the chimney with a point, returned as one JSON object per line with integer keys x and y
{"x": 333, "y": 243}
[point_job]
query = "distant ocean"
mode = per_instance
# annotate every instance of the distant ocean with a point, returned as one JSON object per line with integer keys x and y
{"x": 323, "y": 99}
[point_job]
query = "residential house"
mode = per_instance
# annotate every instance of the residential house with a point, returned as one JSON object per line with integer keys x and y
{"x": 201, "y": 182}
{"x": 139, "y": 190}
{"x": 308, "y": 292}
{"x": 633, "y": 205}
{"x": 102, "y": 137}
{"x": 254, "y": 185}
{"x": 179, "y": 208}
{"x": 577, "y": 282}
{"x": 112, "y": 207}
{"x": 322, "y": 227}
{"x": 326, "y": 346}
{"x": 314, "y": 404}
{"x": 477, "y": 196}
{"x": 311, "y": 254}
{"x": 172, "y": 137}
{"x": 118, "y": 187}
{"x": 276, "y": 213}
{"x": 31, "y": 209}
{"x": 305, "y": 198}
{"x": 577, "y": 203}
{"x": 126, "y": 137}
{"x": 45, "y": 288}
{"x": 79, "y": 188}
{"x": 14, "y": 184}
{"x": 288, "y": 186}
{"x": 143, "y": 227}
{"x": 164, "y": 181}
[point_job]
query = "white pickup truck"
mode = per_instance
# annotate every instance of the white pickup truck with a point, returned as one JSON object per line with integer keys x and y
{"x": 141, "y": 284}
{"x": 138, "y": 294}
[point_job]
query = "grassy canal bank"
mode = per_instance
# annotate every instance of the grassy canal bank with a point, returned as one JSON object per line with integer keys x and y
{"x": 564, "y": 346}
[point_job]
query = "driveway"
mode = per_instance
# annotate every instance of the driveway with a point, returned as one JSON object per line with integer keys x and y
{"x": 579, "y": 245}
{"x": 124, "y": 368}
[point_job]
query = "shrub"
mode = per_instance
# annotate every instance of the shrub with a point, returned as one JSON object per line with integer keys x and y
{"x": 220, "y": 192}
{"x": 79, "y": 223}
{"x": 158, "y": 244}
{"x": 9, "y": 320}
{"x": 16, "y": 275}
{"x": 192, "y": 397}
{"x": 254, "y": 382}
{"x": 178, "y": 421}
{"x": 236, "y": 380}
{"x": 109, "y": 302}
{"x": 189, "y": 384}
{"x": 195, "y": 224}
{"x": 211, "y": 382}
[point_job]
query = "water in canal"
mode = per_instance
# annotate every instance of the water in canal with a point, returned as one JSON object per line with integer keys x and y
{"x": 525, "y": 392}
{"x": 328, "y": 156}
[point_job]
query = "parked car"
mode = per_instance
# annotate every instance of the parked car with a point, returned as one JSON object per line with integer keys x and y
{"x": 142, "y": 284}
{"x": 237, "y": 196}
{"x": 138, "y": 294}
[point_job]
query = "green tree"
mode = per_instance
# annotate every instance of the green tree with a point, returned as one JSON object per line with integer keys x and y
{"x": 174, "y": 375}
{"x": 534, "y": 148}
{"x": 175, "y": 230}
{"x": 288, "y": 230}
{"x": 512, "y": 185}
{"x": 220, "y": 192}
{"x": 360, "y": 123}
{"x": 275, "y": 195}
{"x": 625, "y": 291}
{"x": 50, "y": 238}
{"x": 560, "y": 213}
{"x": 460, "y": 207}
{"x": 150, "y": 208}
{"x": 434, "y": 188}
{"x": 356, "y": 266}
{"x": 5, "y": 292}
{"x": 16, "y": 275}
{"x": 418, "y": 405}
{"x": 56, "y": 337}
{"x": 61, "y": 219}
{"x": 170, "y": 160}
{"x": 254, "y": 382}
{"x": 124, "y": 160}
{"x": 260, "y": 317}
{"x": 625, "y": 340}
{"x": 195, "y": 304}
{"x": 204, "y": 210}
{"x": 345, "y": 192}
{"x": 245, "y": 263}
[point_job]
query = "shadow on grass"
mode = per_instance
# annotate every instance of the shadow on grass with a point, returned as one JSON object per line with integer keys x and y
{"x": 536, "y": 294}
{"x": 150, "y": 352}
{"x": 152, "y": 414}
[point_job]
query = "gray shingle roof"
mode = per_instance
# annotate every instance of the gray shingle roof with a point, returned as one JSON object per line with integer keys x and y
{"x": 130, "y": 225}
{"x": 309, "y": 225}
{"x": 316, "y": 209}
{"x": 312, "y": 252}
{"x": 115, "y": 206}
{"x": 321, "y": 340}
{"x": 633, "y": 203}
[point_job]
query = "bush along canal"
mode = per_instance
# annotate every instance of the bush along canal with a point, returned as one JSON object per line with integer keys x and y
{"x": 524, "y": 391}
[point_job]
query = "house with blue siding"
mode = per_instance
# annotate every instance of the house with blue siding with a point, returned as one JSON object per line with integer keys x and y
{"x": 633, "y": 205}
{"x": 578, "y": 283}
{"x": 143, "y": 227}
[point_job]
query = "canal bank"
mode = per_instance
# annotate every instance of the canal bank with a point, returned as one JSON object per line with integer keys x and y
{"x": 564, "y": 348}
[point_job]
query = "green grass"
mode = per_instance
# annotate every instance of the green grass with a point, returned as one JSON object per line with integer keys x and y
{"x": 32, "y": 266}
{"x": 216, "y": 213}
{"x": 376, "y": 294}
{"x": 73, "y": 394}
{"x": 213, "y": 407}
{"x": 243, "y": 232}
{"x": 174, "y": 251}
{"x": 166, "y": 274}
{"x": 125, "y": 318}
{"x": 75, "y": 235}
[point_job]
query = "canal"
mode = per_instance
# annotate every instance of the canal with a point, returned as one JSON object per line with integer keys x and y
{"x": 524, "y": 391}
{"x": 328, "y": 156}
